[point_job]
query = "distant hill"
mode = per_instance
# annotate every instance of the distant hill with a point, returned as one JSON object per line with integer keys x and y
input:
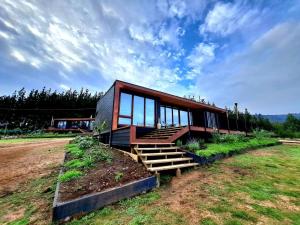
{"x": 280, "y": 118}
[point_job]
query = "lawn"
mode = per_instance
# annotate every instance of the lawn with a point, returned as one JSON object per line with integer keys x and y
{"x": 26, "y": 140}
{"x": 260, "y": 186}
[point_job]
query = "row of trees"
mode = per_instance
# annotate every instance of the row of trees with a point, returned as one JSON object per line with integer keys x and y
{"x": 34, "y": 110}
{"x": 290, "y": 128}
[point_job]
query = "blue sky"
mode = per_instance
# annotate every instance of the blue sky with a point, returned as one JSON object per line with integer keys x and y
{"x": 225, "y": 51}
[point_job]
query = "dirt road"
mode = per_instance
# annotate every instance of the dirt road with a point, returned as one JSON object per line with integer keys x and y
{"x": 20, "y": 162}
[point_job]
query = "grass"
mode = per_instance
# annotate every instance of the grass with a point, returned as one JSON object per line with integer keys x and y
{"x": 226, "y": 148}
{"x": 20, "y": 140}
{"x": 70, "y": 175}
{"x": 258, "y": 187}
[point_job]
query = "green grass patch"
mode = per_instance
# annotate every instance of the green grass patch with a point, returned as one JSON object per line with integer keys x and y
{"x": 77, "y": 163}
{"x": 208, "y": 221}
{"x": 243, "y": 215}
{"x": 269, "y": 212}
{"x": 226, "y": 148}
{"x": 69, "y": 175}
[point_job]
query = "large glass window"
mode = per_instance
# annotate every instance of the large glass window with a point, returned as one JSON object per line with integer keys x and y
{"x": 168, "y": 116}
{"x": 124, "y": 121}
{"x": 175, "y": 118}
{"x": 138, "y": 111}
{"x": 150, "y": 112}
{"x": 184, "y": 118}
{"x": 162, "y": 116}
{"x": 211, "y": 120}
{"x": 125, "y": 104}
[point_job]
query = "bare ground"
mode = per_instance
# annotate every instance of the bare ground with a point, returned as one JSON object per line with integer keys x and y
{"x": 21, "y": 162}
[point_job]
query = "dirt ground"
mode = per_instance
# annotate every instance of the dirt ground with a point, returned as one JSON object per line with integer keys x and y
{"x": 20, "y": 162}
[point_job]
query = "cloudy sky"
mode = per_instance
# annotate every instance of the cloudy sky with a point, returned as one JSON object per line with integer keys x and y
{"x": 225, "y": 51}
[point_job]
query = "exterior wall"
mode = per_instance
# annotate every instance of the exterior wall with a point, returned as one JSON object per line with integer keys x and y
{"x": 104, "y": 110}
{"x": 121, "y": 137}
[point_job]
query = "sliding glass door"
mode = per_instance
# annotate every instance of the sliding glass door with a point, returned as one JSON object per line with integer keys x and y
{"x": 173, "y": 117}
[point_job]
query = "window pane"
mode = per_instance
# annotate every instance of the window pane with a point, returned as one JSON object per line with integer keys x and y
{"x": 183, "y": 118}
{"x": 124, "y": 121}
{"x": 191, "y": 118}
{"x": 162, "y": 116}
{"x": 169, "y": 116}
{"x": 138, "y": 111}
{"x": 125, "y": 104}
{"x": 149, "y": 112}
{"x": 175, "y": 118}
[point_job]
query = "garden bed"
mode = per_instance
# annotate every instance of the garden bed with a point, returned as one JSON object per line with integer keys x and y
{"x": 219, "y": 151}
{"x": 93, "y": 173}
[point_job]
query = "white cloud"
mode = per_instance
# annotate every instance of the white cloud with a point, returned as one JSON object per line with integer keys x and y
{"x": 264, "y": 78}
{"x": 18, "y": 55}
{"x": 201, "y": 55}
{"x": 64, "y": 87}
{"x": 225, "y": 18}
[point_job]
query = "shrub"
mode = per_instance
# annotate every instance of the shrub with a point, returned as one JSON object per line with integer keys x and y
{"x": 193, "y": 145}
{"x": 101, "y": 154}
{"x": 86, "y": 143}
{"x": 179, "y": 143}
{"x": 260, "y": 134}
{"x": 228, "y": 138}
{"x": 118, "y": 176}
{"x": 69, "y": 175}
{"x": 201, "y": 143}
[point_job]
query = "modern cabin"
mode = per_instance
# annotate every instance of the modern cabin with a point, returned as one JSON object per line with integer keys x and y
{"x": 76, "y": 125}
{"x": 138, "y": 115}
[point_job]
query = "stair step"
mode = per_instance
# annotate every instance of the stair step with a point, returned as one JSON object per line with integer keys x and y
{"x": 160, "y": 168}
{"x": 162, "y": 154}
{"x": 158, "y": 148}
{"x": 155, "y": 161}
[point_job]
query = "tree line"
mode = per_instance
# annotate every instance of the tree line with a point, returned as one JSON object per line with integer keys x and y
{"x": 34, "y": 110}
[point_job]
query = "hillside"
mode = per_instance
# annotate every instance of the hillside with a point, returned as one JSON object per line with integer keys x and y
{"x": 280, "y": 118}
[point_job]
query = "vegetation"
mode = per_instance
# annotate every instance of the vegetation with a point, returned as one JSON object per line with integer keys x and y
{"x": 118, "y": 176}
{"x": 260, "y": 187}
{"x": 289, "y": 129}
{"x": 194, "y": 144}
{"x": 70, "y": 175}
{"x": 24, "y": 112}
{"x": 84, "y": 153}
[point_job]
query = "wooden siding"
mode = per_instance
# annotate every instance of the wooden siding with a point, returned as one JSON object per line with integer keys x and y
{"x": 105, "y": 107}
{"x": 121, "y": 137}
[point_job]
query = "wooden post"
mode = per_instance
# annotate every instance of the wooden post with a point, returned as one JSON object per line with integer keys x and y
{"x": 227, "y": 120}
{"x": 178, "y": 172}
{"x": 157, "y": 179}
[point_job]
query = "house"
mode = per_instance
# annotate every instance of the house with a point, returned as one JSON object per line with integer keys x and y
{"x": 148, "y": 122}
{"x": 79, "y": 125}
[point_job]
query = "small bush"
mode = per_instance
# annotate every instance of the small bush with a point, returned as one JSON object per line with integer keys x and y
{"x": 228, "y": 138}
{"x": 193, "y": 145}
{"x": 260, "y": 134}
{"x": 86, "y": 143}
{"x": 101, "y": 154}
{"x": 69, "y": 175}
{"x": 178, "y": 143}
{"x": 118, "y": 176}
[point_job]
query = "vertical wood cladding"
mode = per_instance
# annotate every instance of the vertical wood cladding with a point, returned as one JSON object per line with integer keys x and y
{"x": 104, "y": 108}
{"x": 121, "y": 137}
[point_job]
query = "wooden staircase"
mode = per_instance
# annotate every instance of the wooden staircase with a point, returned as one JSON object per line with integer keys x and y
{"x": 160, "y": 157}
{"x": 163, "y": 133}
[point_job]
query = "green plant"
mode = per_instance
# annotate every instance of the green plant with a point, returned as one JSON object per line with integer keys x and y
{"x": 201, "y": 143}
{"x": 179, "y": 143}
{"x": 118, "y": 176}
{"x": 99, "y": 153}
{"x": 86, "y": 142}
{"x": 260, "y": 134}
{"x": 79, "y": 163}
{"x": 101, "y": 127}
{"x": 192, "y": 145}
{"x": 75, "y": 151}
{"x": 70, "y": 175}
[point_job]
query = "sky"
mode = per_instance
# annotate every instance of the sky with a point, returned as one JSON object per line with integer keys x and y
{"x": 223, "y": 51}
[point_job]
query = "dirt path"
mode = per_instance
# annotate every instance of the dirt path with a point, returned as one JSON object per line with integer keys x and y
{"x": 20, "y": 162}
